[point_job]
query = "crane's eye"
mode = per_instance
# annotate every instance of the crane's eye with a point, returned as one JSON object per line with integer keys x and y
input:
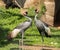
{"x": 35, "y": 10}
{"x": 26, "y": 12}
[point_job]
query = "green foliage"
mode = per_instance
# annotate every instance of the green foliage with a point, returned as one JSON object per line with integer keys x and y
{"x": 10, "y": 18}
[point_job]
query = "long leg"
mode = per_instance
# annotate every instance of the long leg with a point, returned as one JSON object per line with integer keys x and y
{"x": 21, "y": 41}
{"x": 42, "y": 33}
{"x": 22, "y": 37}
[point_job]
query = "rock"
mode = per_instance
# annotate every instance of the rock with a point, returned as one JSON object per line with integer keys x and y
{"x": 48, "y": 17}
{"x": 32, "y": 3}
{"x": 2, "y": 3}
{"x": 50, "y": 6}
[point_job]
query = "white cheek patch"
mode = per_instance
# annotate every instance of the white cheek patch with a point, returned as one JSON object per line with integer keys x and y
{"x": 15, "y": 32}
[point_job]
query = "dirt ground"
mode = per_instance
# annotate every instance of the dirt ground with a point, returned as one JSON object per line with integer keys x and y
{"x": 37, "y": 48}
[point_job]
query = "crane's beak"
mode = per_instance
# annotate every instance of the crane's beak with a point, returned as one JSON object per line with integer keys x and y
{"x": 25, "y": 13}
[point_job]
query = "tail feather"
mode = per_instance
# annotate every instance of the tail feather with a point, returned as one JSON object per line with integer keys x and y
{"x": 48, "y": 31}
{"x": 46, "y": 34}
{"x": 9, "y": 38}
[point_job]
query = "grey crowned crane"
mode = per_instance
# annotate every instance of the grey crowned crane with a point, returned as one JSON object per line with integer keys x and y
{"x": 41, "y": 26}
{"x": 20, "y": 28}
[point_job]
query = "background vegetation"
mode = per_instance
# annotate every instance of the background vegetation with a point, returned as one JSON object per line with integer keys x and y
{"x": 10, "y": 18}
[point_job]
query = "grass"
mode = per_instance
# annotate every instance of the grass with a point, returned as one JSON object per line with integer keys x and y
{"x": 10, "y": 18}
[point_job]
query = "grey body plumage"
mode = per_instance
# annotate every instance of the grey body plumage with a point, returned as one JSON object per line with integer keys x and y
{"x": 25, "y": 25}
{"x": 42, "y": 27}
{"x": 20, "y": 28}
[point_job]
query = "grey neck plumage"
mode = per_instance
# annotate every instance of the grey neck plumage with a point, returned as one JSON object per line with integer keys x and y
{"x": 28, "y": 18}
{"x": 36, "y": 16}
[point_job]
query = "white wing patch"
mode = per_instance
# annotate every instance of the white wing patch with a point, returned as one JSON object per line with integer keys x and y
{"x": 15, "y": 32}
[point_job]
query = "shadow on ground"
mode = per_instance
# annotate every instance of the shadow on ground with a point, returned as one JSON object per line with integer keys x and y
{"x": 8, "y": 14}
{"x": 14, "y": 14}
{"x": 15, "y": 49}
{"x": 56, "y": 36}
{"x": 3, "y": 35}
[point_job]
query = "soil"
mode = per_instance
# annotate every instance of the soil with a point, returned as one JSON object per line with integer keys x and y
{"x": 37, "y": 48}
